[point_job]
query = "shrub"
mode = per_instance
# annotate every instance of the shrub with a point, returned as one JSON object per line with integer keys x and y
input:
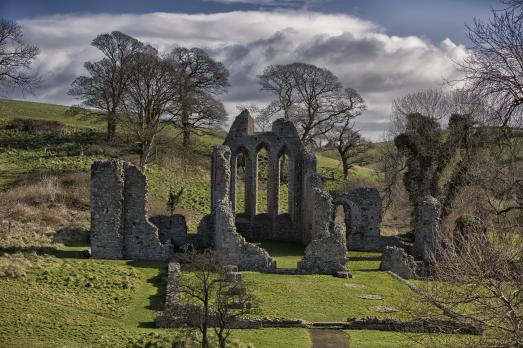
{"x": 14, "y": 266}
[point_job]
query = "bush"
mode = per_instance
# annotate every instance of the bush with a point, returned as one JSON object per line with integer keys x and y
{"x": 14, "y": 266}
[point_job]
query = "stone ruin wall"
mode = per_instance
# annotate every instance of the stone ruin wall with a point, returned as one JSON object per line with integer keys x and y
{"x": 363, "y": 210}
{"x": 326, "y": 249}
{"x": 283, "y": 139}
{"x": 427, "y": 231}
{"x": 119, "y": 225}
{"x": 232, "y": 247}
{"x": 309, "y": 217}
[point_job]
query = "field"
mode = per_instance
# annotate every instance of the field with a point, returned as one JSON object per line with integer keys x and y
{"x": 52, "y": 295}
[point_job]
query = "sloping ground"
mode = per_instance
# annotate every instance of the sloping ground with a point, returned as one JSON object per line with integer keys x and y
{"x": 81, "y": 302}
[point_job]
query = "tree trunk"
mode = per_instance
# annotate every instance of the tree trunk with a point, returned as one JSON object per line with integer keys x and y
{"x": 186, "y": 135}
{"x": 111, "y": 126}
{"x": 345, "y": 164}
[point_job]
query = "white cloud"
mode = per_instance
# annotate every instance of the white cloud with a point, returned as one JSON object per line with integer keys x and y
{"x": 379, "y": 66}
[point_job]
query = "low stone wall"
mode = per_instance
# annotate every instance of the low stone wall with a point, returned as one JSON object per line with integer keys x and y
{"x": 417, "y": 325}
{"x": 172, "y": 291}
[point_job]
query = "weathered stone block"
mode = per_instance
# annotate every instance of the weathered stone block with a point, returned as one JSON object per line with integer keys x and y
{"x": 396, "y": 260}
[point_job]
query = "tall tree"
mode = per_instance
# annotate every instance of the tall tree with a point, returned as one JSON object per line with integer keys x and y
{"x": 16, "y": 56}
{"x": 493, "y": 69}
{"x": 200, "y": 80}
{"x": 421, "y": 144}
{"x": 107, "y": 79}
{"x": 310, "y": 96}
{"x": 348, "y": 142}
{"x": 149, "y": 94}
{"x": 278, "y": 79}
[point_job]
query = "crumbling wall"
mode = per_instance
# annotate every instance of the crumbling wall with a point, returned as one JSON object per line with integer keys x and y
{"x": 363, "y": 210}
{"x": 326, "y": 255}
{"x": 396, "y": 260}
{"x": 282, "y": 139}
{"x": 119, "y": 226}
{"x": 171, "y": 228}
{"x": 107, "y": 202}
{"x": 326, "y": 250}
{"x": 427, "y": 231}
{"x": 232, "y": 248}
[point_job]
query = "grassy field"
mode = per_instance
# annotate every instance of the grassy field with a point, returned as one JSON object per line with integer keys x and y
{"x": 74, "y": 302}
{"x": 50, "y": 295}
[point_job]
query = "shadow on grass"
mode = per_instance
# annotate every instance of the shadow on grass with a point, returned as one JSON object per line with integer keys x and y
{"x": 76, "y": 253}
{"x": 72, "y": 236}
{"x": 281, "y": 249}
{"x": 159, "y": 281}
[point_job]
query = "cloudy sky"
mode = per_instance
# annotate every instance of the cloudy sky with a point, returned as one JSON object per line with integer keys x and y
{"x": 382, "y": 48}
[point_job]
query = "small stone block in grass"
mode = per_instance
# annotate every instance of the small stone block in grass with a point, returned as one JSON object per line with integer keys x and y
{"x": 355, "y": 286}
{"x": 370, "y": 297}
{"x": 344, "y": 275}
{"x": 381, "y": 309}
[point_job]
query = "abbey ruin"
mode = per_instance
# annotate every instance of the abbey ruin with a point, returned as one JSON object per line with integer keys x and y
{"x": 122, "y": 230}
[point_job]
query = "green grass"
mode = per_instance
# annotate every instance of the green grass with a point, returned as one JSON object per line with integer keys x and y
{"x": 69, "y": 302}
{"x": 286, "y": 254}
{"x": 11, "y": 109}
{"x": 274, "y": 338}
{"x": 326, "y": 298}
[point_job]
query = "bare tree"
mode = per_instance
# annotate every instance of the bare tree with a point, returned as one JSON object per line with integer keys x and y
{"x": 480, "y": 278}
{"x": 16, "y": 57}
{"x": 494, "y": 66}
{"x": 348, "y": 142}
{"x": 279, "y": 80}
{"x": 200, "y": 80}
{"x": 148, "y": 96}
{"x": 219, "y": 301}
{"x": 432, "y": 102}
{"x": 106, "y": 84}
{"x": 311, "y": 97}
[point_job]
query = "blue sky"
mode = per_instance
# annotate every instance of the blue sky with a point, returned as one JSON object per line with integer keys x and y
{"x": 383, "y": 48}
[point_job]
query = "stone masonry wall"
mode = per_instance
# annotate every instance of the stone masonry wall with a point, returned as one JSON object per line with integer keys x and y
{"x": 326, "y": 252}
{"x": 363, "y": 210}
{"x": 119, "y": 226}
{"x": 230, "y": 245}
{"x": 107, "y": 232}
{"x": 396, "y": 260}
{"x": 427, "y": 230}
{"x": 171, "y": 228}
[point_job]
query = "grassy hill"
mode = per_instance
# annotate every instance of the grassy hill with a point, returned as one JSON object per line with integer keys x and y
{"x": 52, "y": 295}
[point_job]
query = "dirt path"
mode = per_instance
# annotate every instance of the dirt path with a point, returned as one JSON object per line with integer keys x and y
{"x": 326, "y": 338}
